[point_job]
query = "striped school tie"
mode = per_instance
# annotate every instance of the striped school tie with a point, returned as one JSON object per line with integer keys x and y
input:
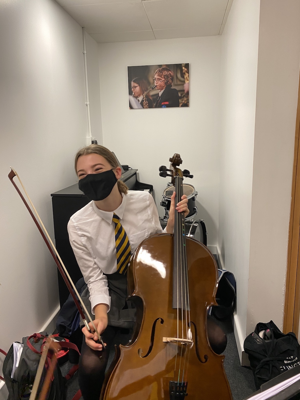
{"x": 123, "y": 250}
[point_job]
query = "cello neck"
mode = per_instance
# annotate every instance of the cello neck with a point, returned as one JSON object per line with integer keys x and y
{"x": 179, "y": 238}
{"x": 180, "y": 298}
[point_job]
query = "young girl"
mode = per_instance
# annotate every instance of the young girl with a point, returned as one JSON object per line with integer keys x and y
{"x": 92, "y": 237}
{"x": 140, "y": 91}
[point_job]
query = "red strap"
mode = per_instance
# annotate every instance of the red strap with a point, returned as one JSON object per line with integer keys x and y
{"x": 71, "y": 372}
{"x": 36, "y": 337}
{"x": 69, "y": 345}
{"x": 3, "y": 352}
{"x": 60, "y": 353}
{"x": 64, "y": 344}
{"x": 77, "y": 395}
{"x": 57, "y": 335}
{"x": 54, "y": 336}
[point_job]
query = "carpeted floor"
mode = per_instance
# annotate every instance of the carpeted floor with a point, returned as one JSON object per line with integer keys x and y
{"x": 240, "y": 378}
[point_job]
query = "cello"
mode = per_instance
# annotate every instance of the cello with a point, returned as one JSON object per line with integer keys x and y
{"x": 172, "y": 279}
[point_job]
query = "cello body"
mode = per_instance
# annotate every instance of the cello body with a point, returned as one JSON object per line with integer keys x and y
{"x": 148, "y": 367}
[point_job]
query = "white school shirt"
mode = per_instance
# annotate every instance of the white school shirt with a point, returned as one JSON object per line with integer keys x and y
{"x": 92, "y": 237}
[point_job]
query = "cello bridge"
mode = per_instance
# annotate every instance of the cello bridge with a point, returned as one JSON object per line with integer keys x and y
{"x": 177, "y": 340}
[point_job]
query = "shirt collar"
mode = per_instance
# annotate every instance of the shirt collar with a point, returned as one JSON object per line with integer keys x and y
{"x": 108, "y": 215}
{"x": 140, "y": 98}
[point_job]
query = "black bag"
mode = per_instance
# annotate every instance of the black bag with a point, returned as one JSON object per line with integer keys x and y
{"x": 25, "y": 372}
{"x": 68, "y": 318}
{"x": 225, "y": 296}
{"x": 68, "y": 322}
{"x": 271, "y": 352}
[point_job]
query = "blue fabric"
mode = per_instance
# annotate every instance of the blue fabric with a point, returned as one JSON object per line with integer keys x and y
{"x": 68, "y": 317}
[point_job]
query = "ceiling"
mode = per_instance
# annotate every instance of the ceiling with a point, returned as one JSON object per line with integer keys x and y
{"x": 134, "y": 20}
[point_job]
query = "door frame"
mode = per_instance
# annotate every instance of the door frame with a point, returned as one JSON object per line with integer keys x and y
{"x": 292, "y": 293}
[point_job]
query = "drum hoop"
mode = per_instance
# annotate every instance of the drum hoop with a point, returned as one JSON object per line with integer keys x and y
{"x": 194, "y": 194}
{"x": 191, "y": 217}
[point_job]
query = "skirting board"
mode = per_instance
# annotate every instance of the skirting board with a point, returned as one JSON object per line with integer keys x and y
{"x": 244, "y": 360}
{"x": 3, "y": 391}
{"x": 213, "y": 249}
{"x": 50, "y": 325}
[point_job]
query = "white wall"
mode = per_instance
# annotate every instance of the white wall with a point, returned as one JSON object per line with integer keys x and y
{"x": 146, "y": 139}
{"x": 92, "y": 95}
{"x": 43, "y": 123}
{"x": 238, "y": 99}
{"x": 260, "y": 64}
{"x": 277, "y": 94}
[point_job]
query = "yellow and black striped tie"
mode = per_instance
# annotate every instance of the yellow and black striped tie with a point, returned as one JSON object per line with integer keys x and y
{"x": 123, "y": 249}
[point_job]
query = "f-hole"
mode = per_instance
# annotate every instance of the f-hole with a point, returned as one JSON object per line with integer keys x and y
{"x": 140, "y": 351}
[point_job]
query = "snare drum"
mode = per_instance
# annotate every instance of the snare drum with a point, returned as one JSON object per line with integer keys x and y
{"x": 194, "y": 229}
{"x": 190, "y": 193}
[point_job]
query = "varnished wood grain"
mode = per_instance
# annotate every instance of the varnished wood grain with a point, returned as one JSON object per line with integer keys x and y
{"x": 140, "y": 377}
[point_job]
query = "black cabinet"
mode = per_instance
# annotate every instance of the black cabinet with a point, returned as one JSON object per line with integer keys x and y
{"x": 65, "y": 203}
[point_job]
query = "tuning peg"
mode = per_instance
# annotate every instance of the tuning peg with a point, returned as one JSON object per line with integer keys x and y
{"x": 164, "y": 203}
{"x": 164, "y": 168}
{"x": 187, "y": 174}
{"x": 163, "y": 171}
{"x": 163, "y": 174}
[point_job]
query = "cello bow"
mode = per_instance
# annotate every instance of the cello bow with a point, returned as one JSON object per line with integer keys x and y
{"x": 50, "y": 345}
{"x": 60, "y": 265}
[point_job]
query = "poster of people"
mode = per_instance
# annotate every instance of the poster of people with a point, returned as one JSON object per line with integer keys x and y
{"x": 159, "y": 86}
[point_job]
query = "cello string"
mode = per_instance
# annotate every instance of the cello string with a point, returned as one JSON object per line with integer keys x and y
{"x": 186, "y": 303}
{"x": 58, "y": 256}
{"x": 187, "y": 312}
{"x": 183, "y": 314}
{"x": 182, "y": 279}
{"x": 180, "y": 272}
{"x": 177, "y": 240}
{"x": 185, "y": 277}
{"x": 181, "y": 299}
{"x": 175, "y": 261}
{"x": 185, "y": 293}
{"x": 185, "y": 281}
{"x": 188, "y": 308}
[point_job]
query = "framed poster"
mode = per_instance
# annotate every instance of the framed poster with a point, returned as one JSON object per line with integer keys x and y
{"x": 159, "y": 86}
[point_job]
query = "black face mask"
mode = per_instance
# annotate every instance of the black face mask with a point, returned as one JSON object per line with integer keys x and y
{"x": 98, "y": 186}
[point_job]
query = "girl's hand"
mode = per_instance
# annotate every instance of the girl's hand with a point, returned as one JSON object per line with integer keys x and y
{"x": 181, "y": 207}
{"x": 91, "y": 337}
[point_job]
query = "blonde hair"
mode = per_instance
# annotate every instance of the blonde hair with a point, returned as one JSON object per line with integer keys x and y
{"x": 105, "y": 153}
{"x": 166, "y": 74}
